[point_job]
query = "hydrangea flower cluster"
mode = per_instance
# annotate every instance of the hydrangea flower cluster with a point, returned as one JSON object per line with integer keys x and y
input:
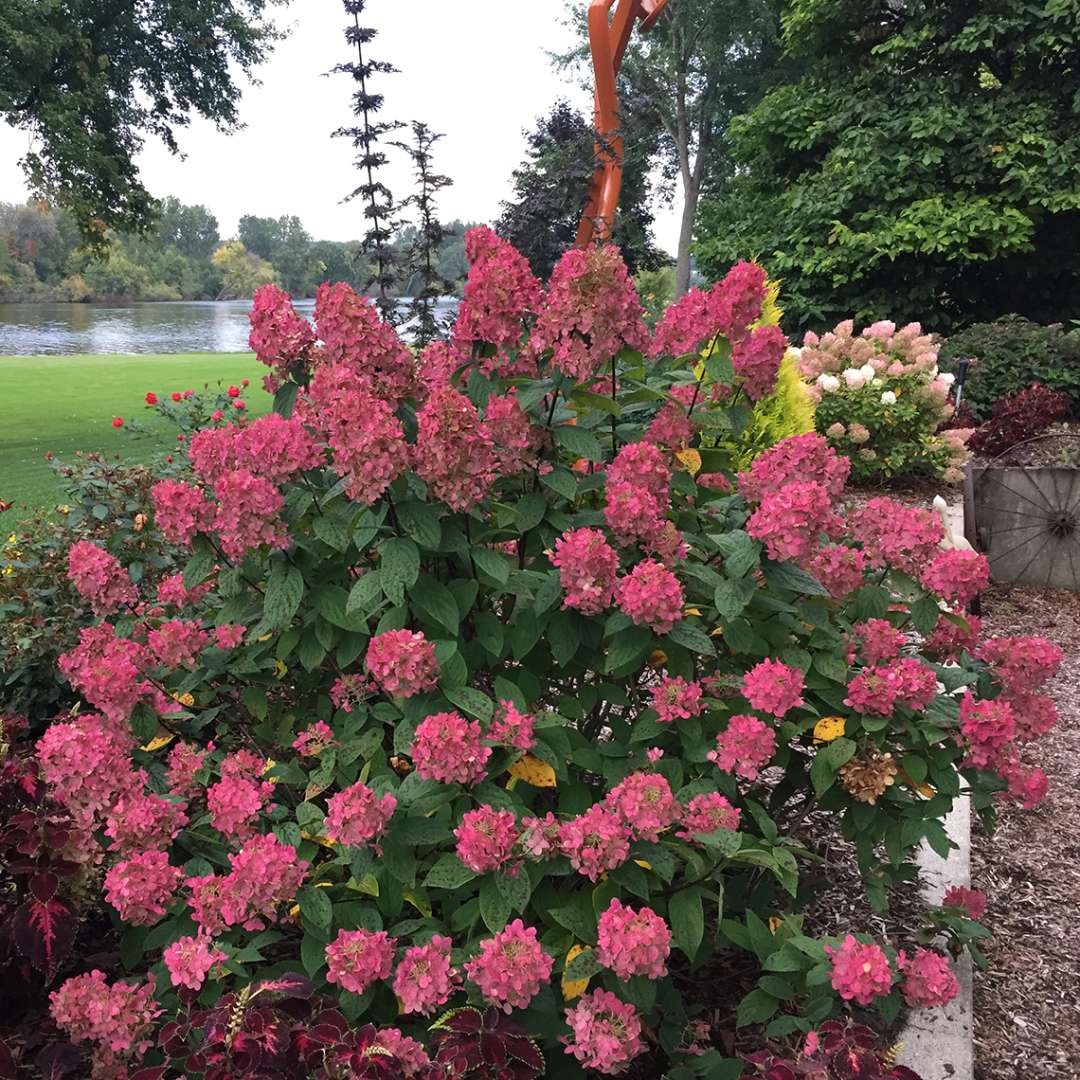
{"x": 237, "y": 798}
{"x": 455, "y": 454}
{"x": 177, "y": 643}
{"x": 645, "y": 803}
{"x": 773, "y": 687}
{"x": 447, "y": 747}
{"x": 512, "y": 728}
{"x": 971, "y": 901}
{"x": 185, "y": 760}
{"x": 744, "y": 747}
{"x": 356, "y": 816}
{"x": 190, "y": 959}
{"x": 905, "y": 538}
{"x": 314, "y": 739}
{"x": 425, "y": 978}
{"x": 511, "y": 967}
{"x": 859, "y": 972}
{"x": 879, "y": 640}
{"x": 279, "y": 337}
{"x": 988, "y": 727}
{"x": 633, "y": 942}
{"x": 587, "y": 566}
{"x": 486, "y": 838}
{"x": 141, "y": 888}
{"x": 706, "y": 813}
{"x": 118, "y": 1019}
{"x": 403, "y": 663}
{"x": 756, "y": 360}
{"x": 676, "y": 699}
{"x": 595, "y": 841}
{"x": 957, "y": 575}
{"x": 99, "y": 578}
{"x": 839, "y": 568}
{"x": 651, "y": 595}
{"x": 1021, "y": 664}
{"x": 107, "y": 670}
{"x": 358, "y": 958}
{"x": 605, "y": 1033}
{"x": 181, "y": 511}
{"x": 793, "y": 461}
{"x": 929, "y": 980}
{"x": 140, "y": 820}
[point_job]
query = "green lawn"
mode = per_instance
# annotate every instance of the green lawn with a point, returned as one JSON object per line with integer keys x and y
{"x": 67, "y": 403}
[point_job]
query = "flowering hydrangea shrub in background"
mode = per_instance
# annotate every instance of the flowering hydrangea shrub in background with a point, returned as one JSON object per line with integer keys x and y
{"x": 434, "y": 756}
{"x": 881, "y": 401}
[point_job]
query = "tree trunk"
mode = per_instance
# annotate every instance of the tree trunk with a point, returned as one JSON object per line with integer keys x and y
{"x": 686, "y": 232}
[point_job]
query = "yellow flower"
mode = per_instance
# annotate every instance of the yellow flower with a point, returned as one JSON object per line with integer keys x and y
{"x": 64, "y": 508}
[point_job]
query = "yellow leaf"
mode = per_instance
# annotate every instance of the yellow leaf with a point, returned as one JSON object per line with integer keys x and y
{"x": 279, "y": 668}
{"x": 368, "y": 885}
{"x": 184, "y": 699}
{"x": 657, "y": 658}
{"x": 318, "y": 838}
{"x": 692, "y": 611}
{"x": 691, "y": 459}
{"x": 573, "y": 988}
{"x": 775, "y": 923}
{"x": 644, "y": 864}
{"x": 828, "y": 728}
{"x": 157, "y": 742}
{"x": 265, "y": 637}
{"x": 534, "y": 771}
{"x": 925, "y": 790}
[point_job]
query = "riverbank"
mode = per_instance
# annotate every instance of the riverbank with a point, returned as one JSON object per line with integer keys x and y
{"x": 61, "y": 404}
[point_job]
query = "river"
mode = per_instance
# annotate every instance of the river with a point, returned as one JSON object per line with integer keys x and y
{"x": 181, "y": 326}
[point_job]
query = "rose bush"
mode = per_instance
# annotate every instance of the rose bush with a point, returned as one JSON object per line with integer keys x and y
{"x": 881, "y": 401}
{"x": 488, "y": 700}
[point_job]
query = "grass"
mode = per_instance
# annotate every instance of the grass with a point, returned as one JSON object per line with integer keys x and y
{"x": 67, "y": 403}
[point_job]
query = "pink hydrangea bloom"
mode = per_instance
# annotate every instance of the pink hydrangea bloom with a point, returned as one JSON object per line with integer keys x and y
{"x": 677, "y": 699}
{"x": 275, "y": 447}
{"x": 190, "y": 959}
{"x": 501, "y": 292}
{"x": 790, "y": 521}
{"x": 181, "y": 511}
{"x": 916, "y": 683}
{"x": 229, "y": 635}
{"x": 645, "y": 803}
{"x": 631, "y": 513}
{"x": 513, "y": 437}
{"x": 988, "y": 727}
{"x": 447, "y": 747}
{"x": 874, "y": 691}
{"x": 736, "y": 301}
{"x": 592, "y": 311}
{"x": 247, "y": 513}
{"x": 436, "y": 365}
{"x": 642, "y": 465}
{"x": 178, "y": 642}
{"x": 263, "y": 874}
{"x": 354, "y": 335}
{"x": 539, "y": 836}
{"x": 86, "y": 763}
{"x": 356, "y": 815}
{"x": 1027, "y": 786}
{"x": 141, "y": 820}
{"x": 454, "y": 454}
{"x": 1021, "y": 664}
{"x": 595, "y": 841}
{"x": 684, "y": 326}
{"x": 840, "y": 569}
{"x": 671, "y": 427}
{"x": 957, "y": 575}
{"x": 185, "y": 760}
{"x": 425, "y": 978}
{"x": 279, "y": 337}
{"x": 794, "y": 460}
{"x": 349, "y": 690}
{"x": 314, "y": 739}
{"x": 365, "y": 437}
{"x": 512, "y": 728}
{"x": 171, "y": 590}
{"x": 99, "y": 578}
{"x": 586, "y": 567}
{"x": 236, "y": 800}
{"x": 970, "y": 901}
{"x": 1035, "y": 715}
{"x": 141, "y": 888}
{"x": 651, "y": 595}
{"x": 879, "y": 640}
{"x": 511, "y": 967}
{"x": 118, "y": 1018}
{"x": 107, "y": 670}
{"x": 605, "y": 1033}
{"x": 928, "y": 979}
{"x": 633, "y": 942}
{"x": 773, "y": 687}
{"x": 859, "y": 972}
{"x": 409, "y": 1054}
{"x": 744, "y": 747}
{"x": 357, "y": 958}
{"x": 705, "y": 814}
{"x": 756, "y": 360}
{"x": 403, "y": 663}
{"x": 486, "y": 838}
{"x": 905, "y": 538}
{"x": 949, "y": 639}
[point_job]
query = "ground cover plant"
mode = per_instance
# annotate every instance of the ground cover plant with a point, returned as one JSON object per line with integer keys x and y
{"x": 61, "y": 404}
{"x": 486, "y": 701}
{"x": 881, "y": 401}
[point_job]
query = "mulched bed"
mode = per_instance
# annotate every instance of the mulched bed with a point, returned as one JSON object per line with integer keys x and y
{"x": 1027, "y": 1005}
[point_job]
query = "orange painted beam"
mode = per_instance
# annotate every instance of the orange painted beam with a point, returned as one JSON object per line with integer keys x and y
{"x": 608, "y": 39}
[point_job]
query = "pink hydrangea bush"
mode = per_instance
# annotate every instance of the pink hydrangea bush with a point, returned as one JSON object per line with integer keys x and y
{"x": 881, "y": 400}
{"x": 464, "y": 683}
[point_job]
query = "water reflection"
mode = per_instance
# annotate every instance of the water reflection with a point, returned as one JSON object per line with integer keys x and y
{"x": 175, "y": 327}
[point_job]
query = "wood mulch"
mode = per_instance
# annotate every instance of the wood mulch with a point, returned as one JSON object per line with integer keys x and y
{"x": 1027, "y": 1004}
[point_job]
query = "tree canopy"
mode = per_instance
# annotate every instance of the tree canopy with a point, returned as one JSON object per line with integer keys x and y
{"x": 91, "y": 79}
{"x": 927, "y": 165}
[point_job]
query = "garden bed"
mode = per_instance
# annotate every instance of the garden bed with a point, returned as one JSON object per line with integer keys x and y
{"x": 1027, "y": 1016}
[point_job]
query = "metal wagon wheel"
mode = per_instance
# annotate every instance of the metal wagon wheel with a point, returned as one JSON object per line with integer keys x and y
{"x": 1030, "y": 523}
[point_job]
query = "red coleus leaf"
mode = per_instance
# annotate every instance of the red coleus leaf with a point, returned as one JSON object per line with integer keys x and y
{"x": 44, "y": 886}
{"x": 492, "y": 1049}
{"x": 44, "y": 933}
{"x": 58, "y": 1061}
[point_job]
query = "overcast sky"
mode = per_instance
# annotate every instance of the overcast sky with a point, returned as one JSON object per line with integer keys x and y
{"x": 476, "y": 70}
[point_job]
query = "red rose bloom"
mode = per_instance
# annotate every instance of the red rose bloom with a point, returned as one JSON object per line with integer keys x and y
{"x": 151, "y": 398}
{"x": 234, "y": 391}
{"x": 118, "y": 421}
{"x": 175, "y": 395}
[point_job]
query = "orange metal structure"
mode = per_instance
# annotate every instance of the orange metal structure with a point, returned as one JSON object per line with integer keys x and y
{"x": 608, "y": 38}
